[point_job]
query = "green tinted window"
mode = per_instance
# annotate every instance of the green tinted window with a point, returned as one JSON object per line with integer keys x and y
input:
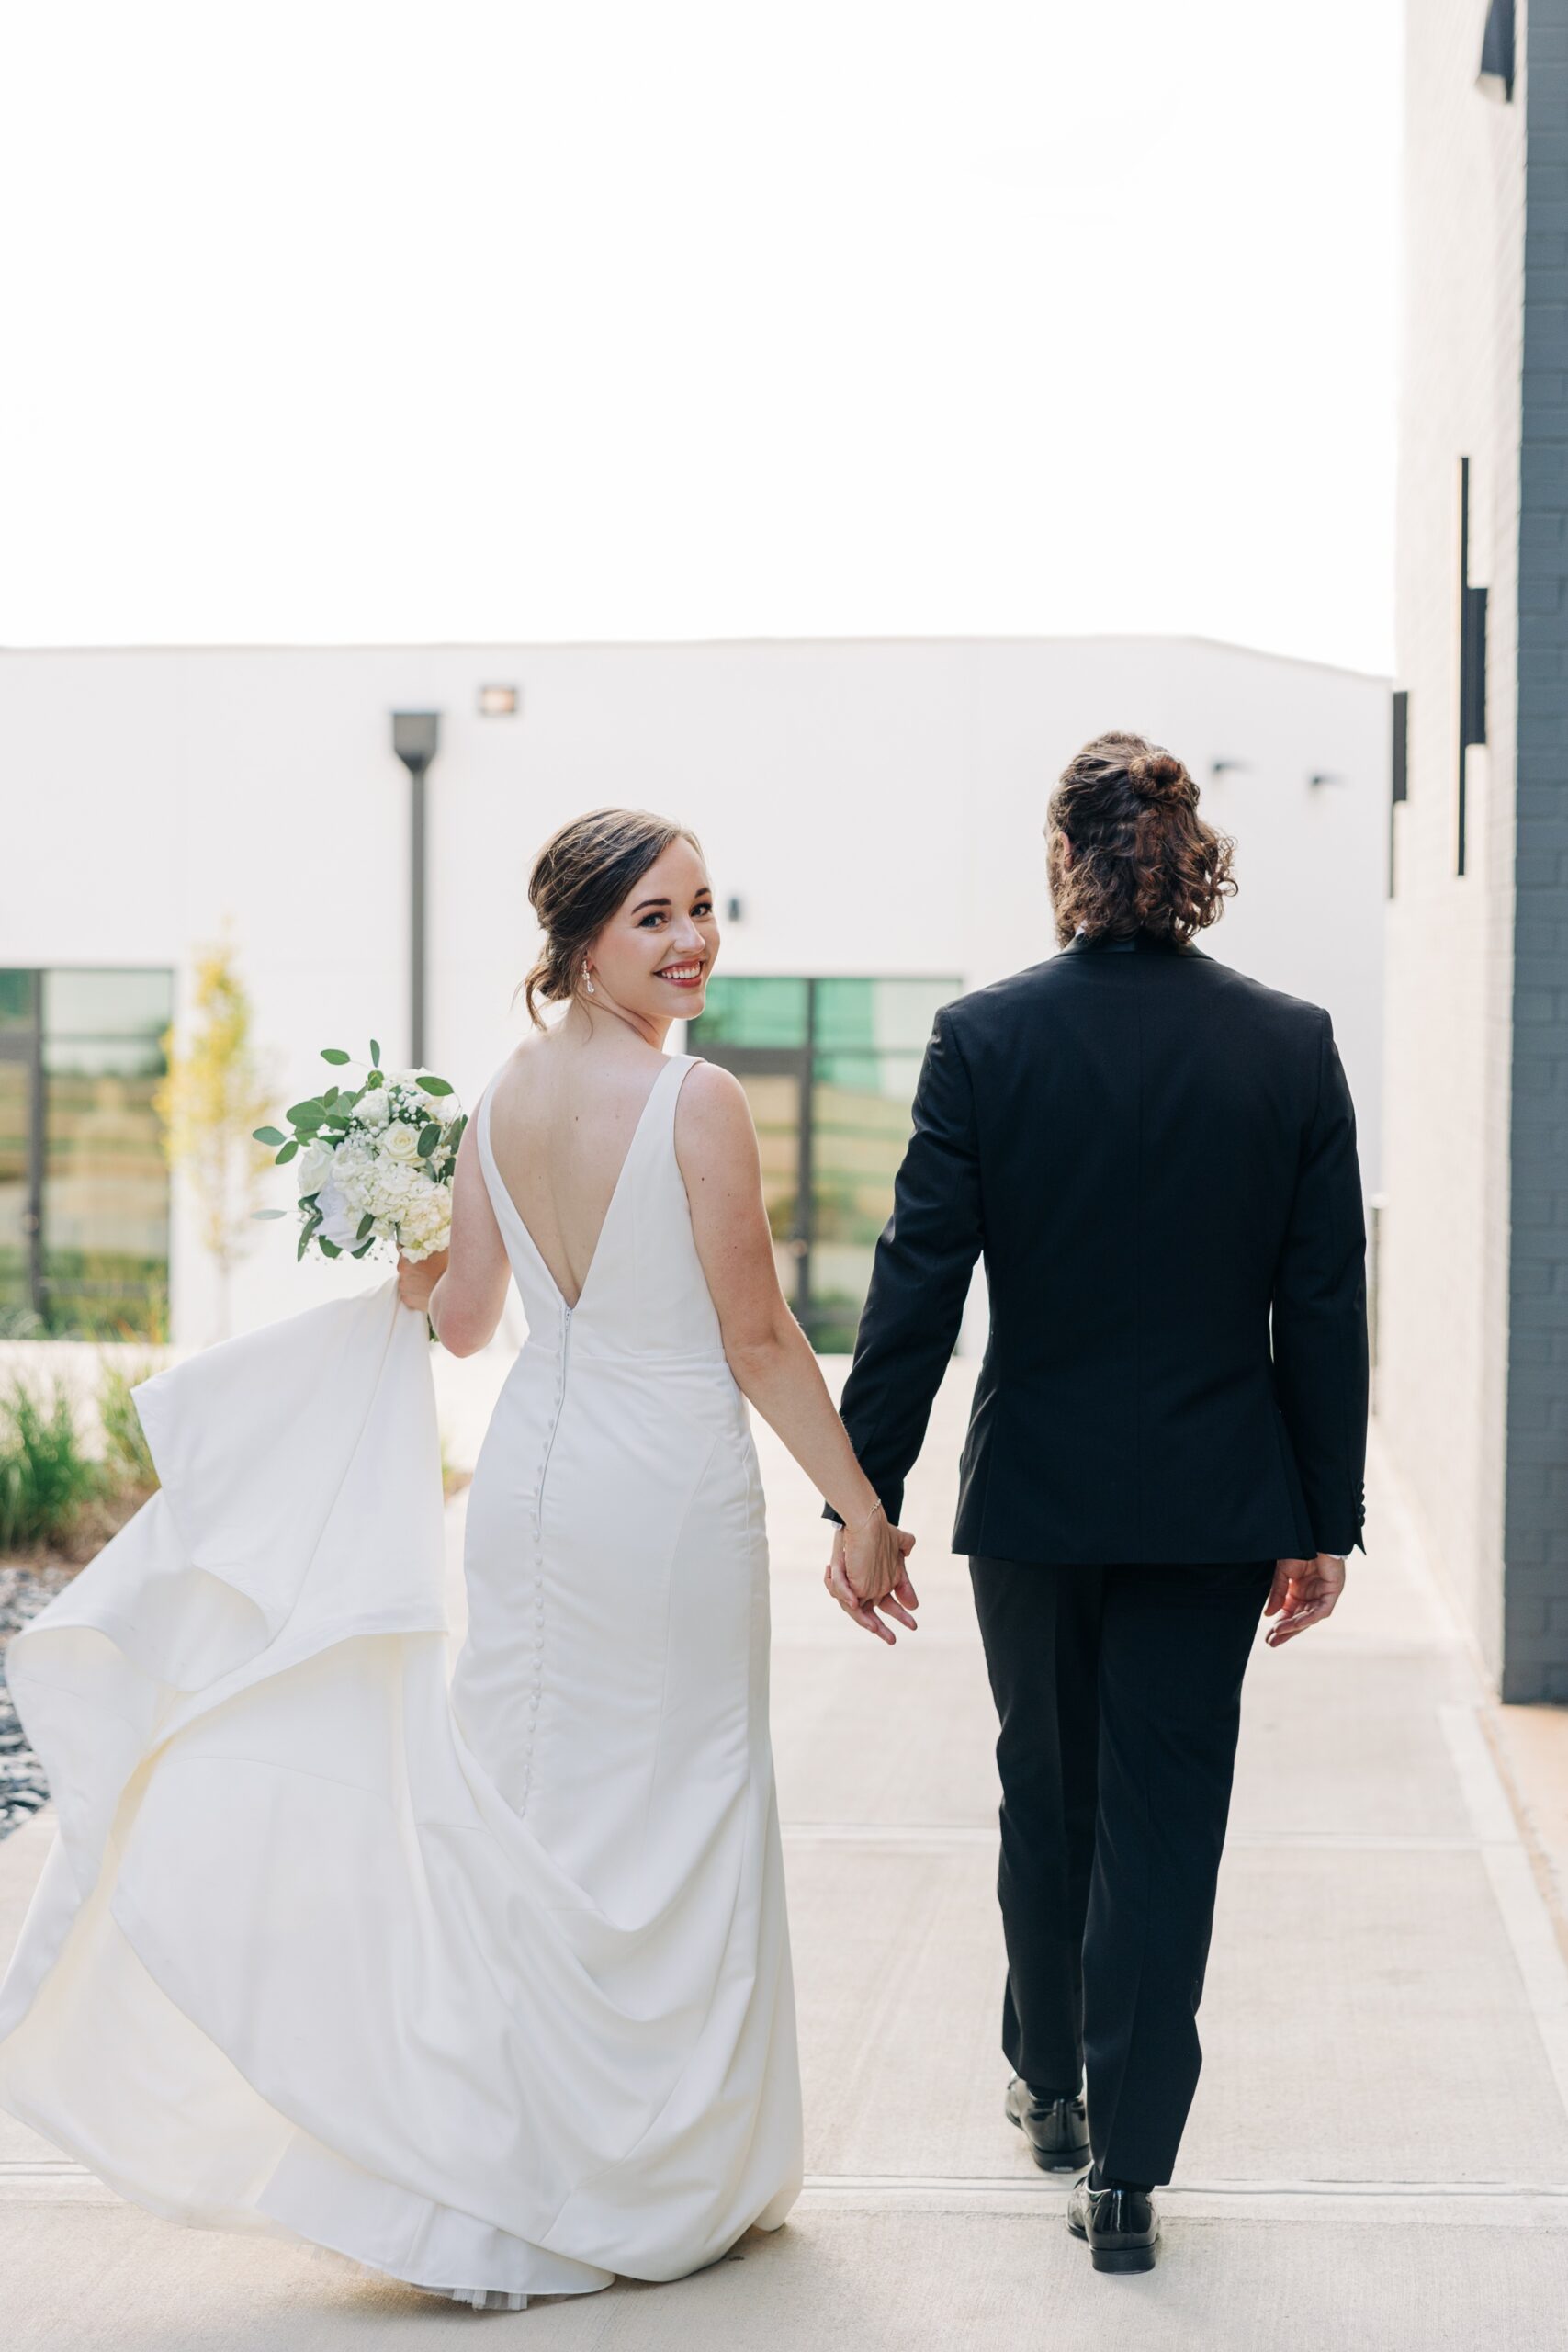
{"x": 755, "y": 1009}
{"x": 106, "y": 1004}
{"x": 829, "y": 1067}
{"x": 895, "y": 1015}
{"x": 88, "y": 1254}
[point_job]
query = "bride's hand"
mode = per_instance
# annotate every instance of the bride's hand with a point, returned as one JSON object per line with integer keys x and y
{"x": 874, "y": 1556}
{"x": 415, "y": 1282}
{"x": 899, "y": 1603}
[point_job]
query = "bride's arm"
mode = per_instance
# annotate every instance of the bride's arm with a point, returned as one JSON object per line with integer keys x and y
{"x": 463, "y": 1287}
{"x": 715, "y": 1145}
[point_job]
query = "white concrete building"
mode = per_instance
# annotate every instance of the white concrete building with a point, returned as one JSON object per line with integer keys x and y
{"x": 872, "y": 813}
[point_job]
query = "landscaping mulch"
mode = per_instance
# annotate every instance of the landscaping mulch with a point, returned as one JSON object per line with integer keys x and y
{"x": 23, "y": 1592}
{"x": 29, "y": 1580}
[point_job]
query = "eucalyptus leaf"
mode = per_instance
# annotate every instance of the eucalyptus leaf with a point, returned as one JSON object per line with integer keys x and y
{"x": 428, "y": 1139}
{"x": 333, "y": 1054}
{"x": 289, "y": 1149}
{"x": 363, "y": 1247}
{"x": 305, "y": 1113}
{"x": 330, "y": 1248}
{"x": 261, "y": 1213}
{"x": 267, "y": 1135}
{"x": 375, "y": 1054}
{"x": 435, "y": 1085}
{"x": 365, "y": 1222}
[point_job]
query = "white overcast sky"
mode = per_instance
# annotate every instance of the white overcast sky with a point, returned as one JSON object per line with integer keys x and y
{"x": 543, "y": 318}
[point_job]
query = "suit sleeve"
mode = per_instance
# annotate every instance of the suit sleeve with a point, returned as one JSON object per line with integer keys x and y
{"x": 919, "y": 1277}
{"x": 1320, "y": 1315}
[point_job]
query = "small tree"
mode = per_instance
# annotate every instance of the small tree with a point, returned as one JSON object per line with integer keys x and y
{"x": 214, "y": 1093}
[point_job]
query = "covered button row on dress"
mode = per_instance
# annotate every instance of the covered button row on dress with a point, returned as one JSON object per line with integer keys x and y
{"x": 540, "y": 1558}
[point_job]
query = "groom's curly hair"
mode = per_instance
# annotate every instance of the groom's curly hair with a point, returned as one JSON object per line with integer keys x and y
{"x": 584, "y": 873}
{"x": 1142, "y": 858}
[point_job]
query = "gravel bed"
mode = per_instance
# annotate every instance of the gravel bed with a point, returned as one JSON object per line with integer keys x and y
{"x": 23, "y": 1790}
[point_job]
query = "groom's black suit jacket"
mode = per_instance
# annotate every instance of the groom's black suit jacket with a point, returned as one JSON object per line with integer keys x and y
{"x": 1156, "y": 1157}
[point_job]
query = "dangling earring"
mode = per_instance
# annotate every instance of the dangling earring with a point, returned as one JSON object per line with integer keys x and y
{"x": 588, "y": 981}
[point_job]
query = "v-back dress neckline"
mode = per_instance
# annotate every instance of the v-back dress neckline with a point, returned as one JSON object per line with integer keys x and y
{"x": 493, "y": 1181}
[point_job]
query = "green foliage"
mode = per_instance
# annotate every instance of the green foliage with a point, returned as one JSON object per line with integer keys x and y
{"x": 126, "y": 1450}
{"x": 213, "y": 1087}
{"x": 46, "y": 1477}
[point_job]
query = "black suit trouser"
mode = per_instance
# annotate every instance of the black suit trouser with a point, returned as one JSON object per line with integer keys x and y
{"x": 1119, "y": 1694}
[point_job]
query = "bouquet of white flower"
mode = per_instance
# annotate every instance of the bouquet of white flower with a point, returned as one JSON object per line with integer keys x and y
{"x": 375, "y": 1161}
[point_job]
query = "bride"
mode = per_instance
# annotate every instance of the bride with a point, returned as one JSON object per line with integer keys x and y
{"x": 486, "y": 1989}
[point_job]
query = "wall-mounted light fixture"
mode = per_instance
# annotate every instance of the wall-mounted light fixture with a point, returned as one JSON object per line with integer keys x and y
{"x": 1495, "y": 79}
{"x": 735, "y": 911}
{"x": 1325, "y": 775}
{"x": 416, "y": 736}
{"x": 1227, "y": 767}
{"x": 1471, "y": 664}
{"x": 500, "y": 702}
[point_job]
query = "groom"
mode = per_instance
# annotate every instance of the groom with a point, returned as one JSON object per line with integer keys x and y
{"x": 1156, "y": 1158}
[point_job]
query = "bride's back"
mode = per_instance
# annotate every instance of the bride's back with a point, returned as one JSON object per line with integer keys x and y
{"x": 563, "y": 1117}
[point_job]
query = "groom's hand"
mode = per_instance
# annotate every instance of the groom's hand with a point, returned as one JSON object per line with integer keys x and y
{"x": 1306, "y": 1591}
{"x": 899, "y": 1603}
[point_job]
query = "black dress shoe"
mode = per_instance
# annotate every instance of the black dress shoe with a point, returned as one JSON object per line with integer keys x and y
{"x": 1120, "y": 2225}
{"x": 1056, "y": 2129}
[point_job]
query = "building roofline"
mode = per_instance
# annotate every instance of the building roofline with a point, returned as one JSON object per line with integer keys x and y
{"x": 528, "y": 646}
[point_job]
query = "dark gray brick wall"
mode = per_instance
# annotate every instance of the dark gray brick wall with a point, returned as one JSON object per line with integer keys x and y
{"x": 1535, "y": 1532}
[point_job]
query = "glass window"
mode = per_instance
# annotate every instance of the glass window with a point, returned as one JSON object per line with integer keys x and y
{"x": 15, "y": 1254}
{"x": 85, "y": 1203}
{"x": 106, "y": 1185}
{"x": 894, "y": 1013}
{"x": 829, "y": 1067}
{"x": 18, "y": 999}
{"x": 754, "y": 1010}
{"x": 106, "y": 1004}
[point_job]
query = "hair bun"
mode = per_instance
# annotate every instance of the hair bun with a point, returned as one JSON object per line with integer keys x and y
{"x": 1156, "y": 776}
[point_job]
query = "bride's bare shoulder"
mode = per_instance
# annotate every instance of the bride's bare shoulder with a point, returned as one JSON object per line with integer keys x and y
{"x": 713, "y": 1121}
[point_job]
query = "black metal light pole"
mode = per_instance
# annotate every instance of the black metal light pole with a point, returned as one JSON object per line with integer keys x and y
{"x": 416, "y": 736}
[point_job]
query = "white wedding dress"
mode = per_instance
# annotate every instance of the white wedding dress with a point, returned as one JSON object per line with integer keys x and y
{"x": 486, "y": 1987}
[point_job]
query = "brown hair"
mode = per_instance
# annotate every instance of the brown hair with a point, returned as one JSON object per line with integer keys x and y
{"x": 1143, "y": 858}
{"x": 580, "y": 877}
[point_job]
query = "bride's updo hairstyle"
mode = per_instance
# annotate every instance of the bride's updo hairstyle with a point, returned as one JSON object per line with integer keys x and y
{"x": 1143, "y": 859}
{"x": 580, "y": 877}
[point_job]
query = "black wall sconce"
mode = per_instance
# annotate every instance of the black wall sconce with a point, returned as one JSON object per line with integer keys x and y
{"x": 1471, "y": 661}
{"x": 1495, "y": 79}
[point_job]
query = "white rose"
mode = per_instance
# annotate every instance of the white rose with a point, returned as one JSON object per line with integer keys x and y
{"x": 313, "y": 1164}
{"x": 401, "y": 1143}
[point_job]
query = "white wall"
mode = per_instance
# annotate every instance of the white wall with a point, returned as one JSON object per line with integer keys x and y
{"x": 1444, "y": 1279}
{"x": 876, "y": 807}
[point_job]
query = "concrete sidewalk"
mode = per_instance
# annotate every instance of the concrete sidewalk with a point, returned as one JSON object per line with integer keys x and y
{"x": 1377, "y": 2156}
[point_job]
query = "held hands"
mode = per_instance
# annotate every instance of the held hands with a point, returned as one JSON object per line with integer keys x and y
{"x": 866, "y": 1574}
{"x": 1306, "y": 1590}
{"x": 873, "y": 1553}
